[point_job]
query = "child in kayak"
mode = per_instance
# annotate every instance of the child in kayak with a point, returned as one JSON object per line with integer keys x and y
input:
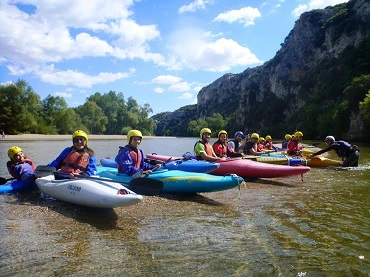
{"x": 130, "y": 159}
{"x": 78, "y": 158}
{"x": 21, "y": 168}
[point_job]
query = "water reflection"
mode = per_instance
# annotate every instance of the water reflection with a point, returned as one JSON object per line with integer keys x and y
{"x": 270, "y": 227}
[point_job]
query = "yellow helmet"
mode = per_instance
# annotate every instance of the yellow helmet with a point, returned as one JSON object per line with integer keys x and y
{"x": 268, "y": 137}
{"x": 222, "y": 132}
{"x": 261, "y": 139}
{"x": 133, "y": 133}
{"x": 255, "y": 136}
{"x": 205, "y": 130}
{"x": 288, "y": 137}
{"x": 14, "y": 151}
{"x": 80, "y": 133}
{"x": 298, "y": 134}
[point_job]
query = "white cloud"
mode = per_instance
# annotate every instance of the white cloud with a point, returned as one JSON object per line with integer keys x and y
{"x": 166, "y": 80}
{"x": 186, "y": 95}
{"x": 315, "y": 4}
{"x": 78, "y": 79}
{"x": 58, "y": 31}
{"x": 158, "y": 90}
{"x": 63, "y": 94}
{"x": 180, "y": 87}
{"x": 246, "y": 16}
{"x": 194, "y": 6}
{"x": 193, "y": 49}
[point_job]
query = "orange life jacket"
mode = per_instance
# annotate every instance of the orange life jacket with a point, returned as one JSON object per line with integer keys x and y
{"x": 208, "y": 148}
{"x": 136, "y": 157}
{"x": 75, "y": 162}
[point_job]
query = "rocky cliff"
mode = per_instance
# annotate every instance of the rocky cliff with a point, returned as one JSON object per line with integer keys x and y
{"x": 306, "y": 78}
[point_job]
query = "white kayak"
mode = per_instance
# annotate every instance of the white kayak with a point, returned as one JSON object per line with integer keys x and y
{"x": 87, "y": 192}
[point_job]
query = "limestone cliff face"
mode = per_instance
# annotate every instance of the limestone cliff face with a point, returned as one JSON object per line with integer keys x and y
{"x": 291, "y": 80}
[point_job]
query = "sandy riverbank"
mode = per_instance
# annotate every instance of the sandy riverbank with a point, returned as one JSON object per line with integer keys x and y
{"x": 62, "y": 137}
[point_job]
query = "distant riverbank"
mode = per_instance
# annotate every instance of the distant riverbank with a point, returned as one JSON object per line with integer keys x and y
{"x": 64, "y": 137}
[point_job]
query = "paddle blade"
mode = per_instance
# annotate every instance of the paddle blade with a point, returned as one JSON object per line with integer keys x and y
{"x": 146, "y": 186}
{"x": 44, "y": 170}
{"x": 4, "y": 180}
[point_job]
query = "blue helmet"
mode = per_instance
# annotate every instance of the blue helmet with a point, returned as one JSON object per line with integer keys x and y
{"x": 239, "y": 133}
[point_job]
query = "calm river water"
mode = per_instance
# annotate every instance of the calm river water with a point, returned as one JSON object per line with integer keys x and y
{"x": 318, "y": 226}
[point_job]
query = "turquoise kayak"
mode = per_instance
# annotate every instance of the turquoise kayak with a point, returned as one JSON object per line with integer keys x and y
{"x": 183, "y": 165}
{"x": 176, "y": 181}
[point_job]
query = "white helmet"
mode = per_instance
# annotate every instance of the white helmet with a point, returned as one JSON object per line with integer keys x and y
{"x": 330, "y": 138}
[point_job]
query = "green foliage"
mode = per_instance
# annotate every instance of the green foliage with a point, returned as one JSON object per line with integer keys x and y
{"x": 365, "y": 107}
{"x": 195, "y": 126}
{"x": 22, "y": 111}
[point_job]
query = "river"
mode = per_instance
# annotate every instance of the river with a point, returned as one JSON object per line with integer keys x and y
{"x": 315, "y": 226}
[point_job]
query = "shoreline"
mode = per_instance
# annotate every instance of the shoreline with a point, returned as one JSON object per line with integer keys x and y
{"x": 30, "y": 137}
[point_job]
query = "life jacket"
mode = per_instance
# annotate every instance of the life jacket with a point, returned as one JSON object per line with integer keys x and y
{"x": 344, "y": 148}
{"x": 76, "y": 162}
{"x": 10, "y": 165}
{"x": 207, "y": 147}
{"x": 135, "y": 155}
{"x": 292, "y": 147}
{"x": 220, "y": 149}
{"x": 237, "y": 145}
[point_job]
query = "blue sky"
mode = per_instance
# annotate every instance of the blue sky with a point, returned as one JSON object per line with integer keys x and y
{"x": 159, "y": 52}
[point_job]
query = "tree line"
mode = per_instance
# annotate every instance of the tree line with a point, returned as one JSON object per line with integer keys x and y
{"x": 23, "y": 111}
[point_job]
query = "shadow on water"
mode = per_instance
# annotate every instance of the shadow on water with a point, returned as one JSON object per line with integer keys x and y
{"x": 191, "y": 197}
{"x": 273, "y": 182}
{"x": 102, "y": 219}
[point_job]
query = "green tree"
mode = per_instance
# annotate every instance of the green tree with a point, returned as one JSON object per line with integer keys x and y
{"x": 365, "y": 106}
{"x": 92, "y": 117}
{"x": 216, "y": 122}
{"x": 19, "y": 108}
{"x": 195, "y": 126}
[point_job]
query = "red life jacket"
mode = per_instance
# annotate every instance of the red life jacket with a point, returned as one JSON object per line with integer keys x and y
{"x": 76, "y": 162}
{"x": 10, "y": 165}
{"x": 208, "y": 149}
{"x": 292, "y": 147}
{"x": 220, "y": 149}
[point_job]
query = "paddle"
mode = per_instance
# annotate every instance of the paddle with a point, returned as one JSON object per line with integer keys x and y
{"x": 145, "y": 186}
{"x": 4, "y": 180}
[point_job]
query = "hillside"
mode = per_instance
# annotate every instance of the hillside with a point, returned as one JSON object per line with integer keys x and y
{"x": 302, "y": 87}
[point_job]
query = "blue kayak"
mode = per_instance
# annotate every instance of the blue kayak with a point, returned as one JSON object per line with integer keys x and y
{"x": 182, "y": 165}
{"x": 16, "y": 186}
{"x": 176, "y": 181}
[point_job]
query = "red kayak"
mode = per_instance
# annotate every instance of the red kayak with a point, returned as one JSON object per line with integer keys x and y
{"x": 246, "y": 168}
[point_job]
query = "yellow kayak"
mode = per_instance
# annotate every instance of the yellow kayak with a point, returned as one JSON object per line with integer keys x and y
{"x": 318, "y": 161}
{"x": 268, "y": 159}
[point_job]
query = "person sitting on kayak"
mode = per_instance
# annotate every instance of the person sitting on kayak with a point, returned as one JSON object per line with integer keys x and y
{"x": 130, "y": 159}
{"x": 236, "y": 143}
{"x": 261, "y": 144}
{"x": 293, "y": 148}
{"x": 78, "y": 158}
{"x": 203, "y": 149}
{"x": 250, "y": 147}
{"x": 269, "y": 145}
{"x": 20, "y": 167}
{"x": 221, "y": 148}
{"x": 284, "y": 143}
{"x": 349, "y": 154}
